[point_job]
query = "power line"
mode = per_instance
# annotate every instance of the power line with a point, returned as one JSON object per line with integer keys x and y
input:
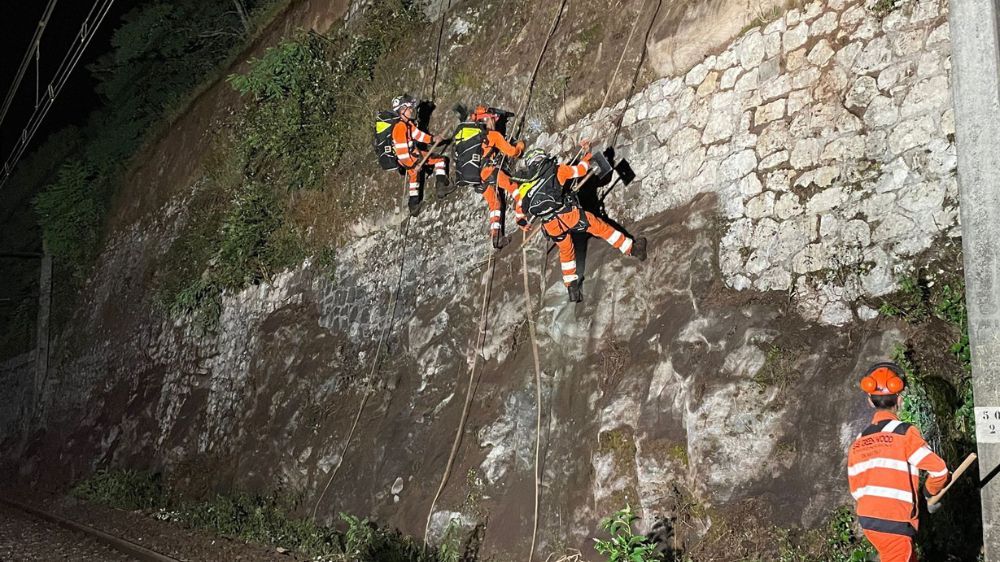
{"x": 88, "y": 29}
{"x": 32, "y": 52}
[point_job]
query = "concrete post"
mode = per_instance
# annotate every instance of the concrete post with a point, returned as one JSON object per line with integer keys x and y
{"x": 42, "y": 344}
{"x": 976, "y": 89}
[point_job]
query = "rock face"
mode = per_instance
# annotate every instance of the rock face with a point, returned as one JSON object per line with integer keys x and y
{"x": 834, "y": 160}
{"x": 778, "y": 181}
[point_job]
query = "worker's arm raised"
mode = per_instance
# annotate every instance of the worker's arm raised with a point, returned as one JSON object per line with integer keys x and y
{"x": 497, "y": 140}
{"x": 567, "y": 172}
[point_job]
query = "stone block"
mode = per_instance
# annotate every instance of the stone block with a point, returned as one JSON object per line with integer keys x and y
{"x": 875, "y": 56}
{"x": 881, "y": 112}
{"x": 750, "y": 50}
{"x": 769, "y": 112}
{"x": 821, "y": 53}
{"x": 795, "y": 37}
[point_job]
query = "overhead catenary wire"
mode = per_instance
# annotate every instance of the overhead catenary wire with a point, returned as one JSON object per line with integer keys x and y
{"x": 32, "y": 52}
{"x": 91, "y": 24}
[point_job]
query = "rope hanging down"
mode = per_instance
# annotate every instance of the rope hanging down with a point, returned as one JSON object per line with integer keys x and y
{"x": 487, "y": 288}
{"x": 375, "y": 362}
{"x": 404, "y": 231}
{"x": 527, "y": 291}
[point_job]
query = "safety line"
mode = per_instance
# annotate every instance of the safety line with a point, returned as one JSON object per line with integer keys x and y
{"x": 375, "y": 362}
{"x": 480, "y": 340}
{"x": 437, "y": 54}
{"x": 618, "y": 67}
{"x": 638, "y": 68}
{"x": 519, "y": 121}
{"x": 538, "y": 391}
{"x": 399, "y": 287}
{"x": 524, "y": 266}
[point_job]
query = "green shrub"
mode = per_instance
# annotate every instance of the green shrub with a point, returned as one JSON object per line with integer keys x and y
{"x": 123, "y": 489}
{"x": 258, "y": 518}
{"x": 844, "y": 542}
{"x": 624, "y": 545}
{"x": 70, "y": 215}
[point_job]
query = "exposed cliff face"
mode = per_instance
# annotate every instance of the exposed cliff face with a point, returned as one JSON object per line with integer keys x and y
{"x": 781, "y": 181}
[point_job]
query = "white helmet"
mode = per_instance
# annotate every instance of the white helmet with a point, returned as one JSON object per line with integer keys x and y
{"x": 405, "y": 100}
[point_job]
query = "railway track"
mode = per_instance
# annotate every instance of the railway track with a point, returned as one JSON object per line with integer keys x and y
{"x": 28, "y": 533}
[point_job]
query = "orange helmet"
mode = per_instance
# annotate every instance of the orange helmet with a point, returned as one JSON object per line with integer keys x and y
{"x": 481, "y": 112}
{"x": 883, "y": 379}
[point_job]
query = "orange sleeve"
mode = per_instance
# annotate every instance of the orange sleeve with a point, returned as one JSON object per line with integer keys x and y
{"x": 567, "y": 172}
{"x": 922, "y": 457}
{"x": 495, "y": 139}
{"x": 420, "y": 136}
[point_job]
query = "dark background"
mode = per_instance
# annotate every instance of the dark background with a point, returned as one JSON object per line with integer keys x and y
{"x": 78, "y": 98}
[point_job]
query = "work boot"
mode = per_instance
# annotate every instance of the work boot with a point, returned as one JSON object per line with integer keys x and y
{"x": 413, "y": 205}
{"x": 575, "y": 294}
{"x": 639, "y": 248}
{"x": 500, "y": 240}
{"x": 444, "y": 187}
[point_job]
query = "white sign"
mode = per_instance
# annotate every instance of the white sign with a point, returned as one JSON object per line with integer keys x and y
{"x": 988, "y": 424}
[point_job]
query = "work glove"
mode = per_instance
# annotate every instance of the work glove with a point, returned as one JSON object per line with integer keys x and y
{"x": 586, "y": 157}
{"x": 520, "y": 146}
{"x": 523, "y": 225}
{"x": 933, "y": 508}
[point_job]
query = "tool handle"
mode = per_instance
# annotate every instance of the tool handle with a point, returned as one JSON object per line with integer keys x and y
{"x": 429, "y": 152}
{"x": 954, "y": 476}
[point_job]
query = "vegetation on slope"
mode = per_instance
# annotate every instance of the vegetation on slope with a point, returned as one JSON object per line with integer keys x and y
{"x": 264, "y": 519}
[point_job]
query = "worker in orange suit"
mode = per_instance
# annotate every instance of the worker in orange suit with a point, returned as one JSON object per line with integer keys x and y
{"x": 883, "y": 469}
{"x": 405, "y": 133}
{"x": 480, "y": 154}
{"x": 543, "y": 193}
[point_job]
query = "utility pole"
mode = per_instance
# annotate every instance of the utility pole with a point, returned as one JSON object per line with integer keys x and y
{"x": 976, "y": 91}
{"x": 42, "y": 344}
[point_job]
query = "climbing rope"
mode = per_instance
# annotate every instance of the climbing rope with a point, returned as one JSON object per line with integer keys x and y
{"x": 638, "y": 68}
{"x": 375, "y": 362}
{"x": 524, "y": 268}
{"x": 437, "y": 51}
{"x": 538, "y": 391}
{"x": 394, "y": 299}
{"x": 487, "y": 288}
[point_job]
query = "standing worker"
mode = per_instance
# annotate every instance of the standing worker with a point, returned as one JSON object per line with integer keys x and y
{"x": 478, "y": 148}
{"x": 883, "y": 469}
{"x": 543, "y": 194}
{"x": 397, "y": 137}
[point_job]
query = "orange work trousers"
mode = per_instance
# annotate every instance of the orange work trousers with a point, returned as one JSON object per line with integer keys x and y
{"x": 440, "y": 164}
{"x": 493, "y": 177}
{"x": 560, "y": 226}
{"x": 892, "y": 548}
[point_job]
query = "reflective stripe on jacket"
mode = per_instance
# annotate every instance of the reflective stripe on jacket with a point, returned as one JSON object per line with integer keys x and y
{"x": 883, "y": 471}
{"x": 404, "y": 133}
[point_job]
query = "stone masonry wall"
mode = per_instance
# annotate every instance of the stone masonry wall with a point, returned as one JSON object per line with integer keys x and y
{"x": 828, "y": 135}
{"x": 813, "y": 156}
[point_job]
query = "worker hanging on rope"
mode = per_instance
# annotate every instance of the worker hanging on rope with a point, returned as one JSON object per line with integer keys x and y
{"x": 883, "y": 469}
{"x": 400, "y": 145}
{"x": 481, "y": 161}
{"x": 543, "y": 194}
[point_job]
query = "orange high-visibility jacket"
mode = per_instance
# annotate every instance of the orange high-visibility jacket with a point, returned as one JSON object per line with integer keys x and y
{"x": 883, "y": 470}
{"x": 404, "y": 133}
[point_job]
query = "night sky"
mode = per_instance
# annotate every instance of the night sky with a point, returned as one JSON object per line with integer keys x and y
{"x": 77, "y": 99}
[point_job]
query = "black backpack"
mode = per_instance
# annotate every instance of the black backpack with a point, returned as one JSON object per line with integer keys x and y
{"x": 541, "y": 194}
{"x": 468, "y": 147}
{"x": 382, "y": 140}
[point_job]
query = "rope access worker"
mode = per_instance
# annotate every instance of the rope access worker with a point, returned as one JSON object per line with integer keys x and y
{"x": 397, "y": 137}
{"x": 543, "y": 194}
{"x": 883, "y": 469}
{"x": 478, "y": 148}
